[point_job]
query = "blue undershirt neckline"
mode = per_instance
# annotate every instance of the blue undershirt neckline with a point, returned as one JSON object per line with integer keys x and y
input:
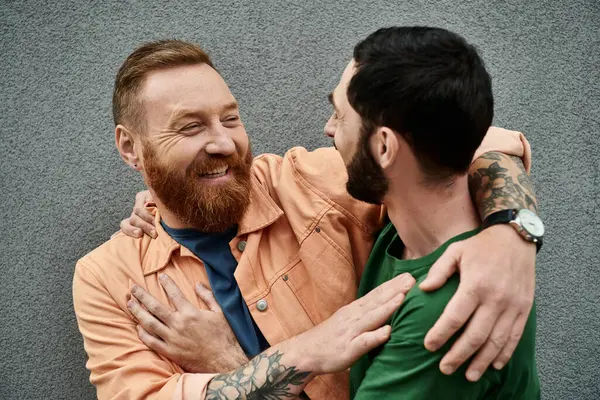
{"x": 214, "y": 251}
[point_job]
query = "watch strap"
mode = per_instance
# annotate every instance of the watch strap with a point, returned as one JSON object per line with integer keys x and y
{"x": 499, "y": 217}
{"x": 504, "y": 217}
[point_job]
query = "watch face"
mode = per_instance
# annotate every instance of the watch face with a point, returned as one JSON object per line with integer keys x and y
{"x": 531, "y": 223}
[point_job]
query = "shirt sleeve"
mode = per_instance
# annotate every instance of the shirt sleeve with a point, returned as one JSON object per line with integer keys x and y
{"x": 512, "y": 143}
{"x": 405, "y": 369}
{"x": 121, "y": 365}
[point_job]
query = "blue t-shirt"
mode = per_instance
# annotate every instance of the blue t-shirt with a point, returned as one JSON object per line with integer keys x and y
{"x": 213, "y": 249}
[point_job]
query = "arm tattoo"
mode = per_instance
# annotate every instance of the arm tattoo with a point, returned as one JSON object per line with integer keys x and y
{"x": 262, "y": 378}
{"x": 500, "y": 182}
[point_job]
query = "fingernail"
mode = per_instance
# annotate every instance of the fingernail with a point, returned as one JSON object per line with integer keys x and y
{"x": 498, "y": 365}
{"x": 162, "y": 277}
{"x": 130, "y": 304}
{"x": 473, "y": 376}
{"x": 431, "y": 346}
{"x": 408, "y": 285}
{"x": 134, "y": 289}
{"x": 446, "y": 369}
{"x": 153, "y": 233}
{"x": 137, "y": 232}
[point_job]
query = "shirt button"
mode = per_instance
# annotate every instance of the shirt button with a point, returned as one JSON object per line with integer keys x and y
{"x": 241, "y": 245}
{"x": 262, "y": 305}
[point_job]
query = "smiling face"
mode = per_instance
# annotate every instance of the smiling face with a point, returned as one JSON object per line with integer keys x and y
{"x": 196, "y": 155}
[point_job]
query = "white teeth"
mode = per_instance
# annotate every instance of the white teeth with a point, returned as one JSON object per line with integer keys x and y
{"x": 216, "y": 173}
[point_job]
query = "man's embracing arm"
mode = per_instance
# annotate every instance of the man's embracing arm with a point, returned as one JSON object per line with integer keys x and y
{"x": 497, "y": 266}
{"x": 283, "y": 371}
{"x": 499, "y": 182}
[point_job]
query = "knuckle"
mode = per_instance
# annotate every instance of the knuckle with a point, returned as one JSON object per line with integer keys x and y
{"x": 174, "y": 294}
{"x": 151, "y": 325}
{"x": 454, "y": 322}
{"x": 475, "y": 339}
{"x": 525, "y": 304}
{"x": 154, "y": 308}
{"x": 500, "y": 297}
{"x": 498, "y": 341}
{"x": 514, "y": 337}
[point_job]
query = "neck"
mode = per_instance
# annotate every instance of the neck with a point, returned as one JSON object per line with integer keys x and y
{"x": 170, "y": 219}
{"x": 427, "y": 217}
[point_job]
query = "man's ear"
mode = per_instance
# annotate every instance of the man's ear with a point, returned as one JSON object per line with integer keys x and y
{"x": 385, "y": 147}
{"x": 129, "y": 151}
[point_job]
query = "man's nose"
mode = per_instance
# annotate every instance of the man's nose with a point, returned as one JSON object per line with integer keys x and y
{"x": 220, "y": 144}
{"x": 330, "y": 127}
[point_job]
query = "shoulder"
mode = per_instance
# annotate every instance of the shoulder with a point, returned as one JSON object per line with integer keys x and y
{"x": 117, "y": 260}
{"x": 316, "y": 179}
{"x": 321, "y": 167}
{"x": 420, "y": 310}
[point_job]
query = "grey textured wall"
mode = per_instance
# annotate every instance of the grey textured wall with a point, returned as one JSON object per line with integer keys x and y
{"x": 64, "y": 190}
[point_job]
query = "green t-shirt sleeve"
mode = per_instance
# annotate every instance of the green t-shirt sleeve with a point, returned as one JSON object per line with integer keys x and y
{"x": 404, "y": 369}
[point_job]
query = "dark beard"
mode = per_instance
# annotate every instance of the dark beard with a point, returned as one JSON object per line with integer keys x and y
{"x": 366, "y": 180}
{"x": 209, "y": 208}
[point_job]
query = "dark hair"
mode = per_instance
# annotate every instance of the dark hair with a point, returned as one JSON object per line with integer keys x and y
{"x": 149, "y": 57}
{"x": 428, "y": 85}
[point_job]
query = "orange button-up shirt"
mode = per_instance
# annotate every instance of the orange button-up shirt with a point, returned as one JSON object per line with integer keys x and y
{"x": 301, "y": 248}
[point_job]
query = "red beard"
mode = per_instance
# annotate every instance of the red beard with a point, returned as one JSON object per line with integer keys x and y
{"x": 209, "y": 208}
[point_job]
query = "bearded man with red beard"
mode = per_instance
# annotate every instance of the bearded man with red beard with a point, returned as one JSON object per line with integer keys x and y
{"x": 280, "y": 243}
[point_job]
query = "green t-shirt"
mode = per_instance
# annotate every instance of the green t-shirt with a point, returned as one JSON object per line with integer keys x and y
{"x": 402, "y": 368}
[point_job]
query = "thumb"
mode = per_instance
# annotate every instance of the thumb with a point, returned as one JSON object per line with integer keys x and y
{"x": 442, "y": 269}
{"x": 208, "y": 297}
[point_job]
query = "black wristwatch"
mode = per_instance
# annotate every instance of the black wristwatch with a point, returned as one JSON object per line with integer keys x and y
{"x": 525, "y": 222}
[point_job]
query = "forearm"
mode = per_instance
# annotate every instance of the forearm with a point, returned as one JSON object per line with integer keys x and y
{"x": 499, "y": 182}
{"x": 281, "y": 372}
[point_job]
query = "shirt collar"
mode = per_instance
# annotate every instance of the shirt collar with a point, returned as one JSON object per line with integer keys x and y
{"x": 262, "y": 211}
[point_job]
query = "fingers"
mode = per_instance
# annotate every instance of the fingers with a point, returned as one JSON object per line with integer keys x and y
{"x": 442, "y": 269}
{"x": 477, "y": 332}
{"x": 385, "y": 292}
{"x": 138, "y": 222}
{"x": 492, "y": 347}
{"x": 143, "y": 197}
{"x": 208, "y": 297}
{"x": 129, "y": 229}
{"x": 513, "y": 341}
{"x": 377, "y": 317}
{"x": 368, "y": 341}
{"x": 147, "y": 320}
{"x": 152, "y": 305}
{"x": 151, "y": 341}
{"x": 174, "y": 293}
{"x": 455, "y": 315}
{"x": 140, "y": 210}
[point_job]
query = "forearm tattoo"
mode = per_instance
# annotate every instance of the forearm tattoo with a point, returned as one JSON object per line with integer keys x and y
{"x": 261, "y": 378}
{"x": 500, "y": 182}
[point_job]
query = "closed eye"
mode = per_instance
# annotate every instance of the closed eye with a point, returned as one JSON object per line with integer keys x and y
{"x": 191, "y": 128}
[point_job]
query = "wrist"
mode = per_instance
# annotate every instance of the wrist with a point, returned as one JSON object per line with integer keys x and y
{"x": 522, "y": 221}
{"x": 298, "y": 351}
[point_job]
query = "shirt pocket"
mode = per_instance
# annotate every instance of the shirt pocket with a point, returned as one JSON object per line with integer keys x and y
{"x": 324, "y": 280}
